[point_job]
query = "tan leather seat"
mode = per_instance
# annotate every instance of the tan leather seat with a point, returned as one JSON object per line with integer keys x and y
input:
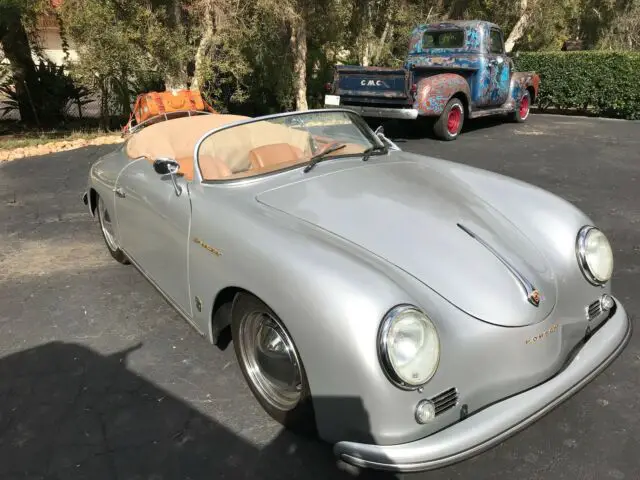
{"x": 212, "y": 168}
{"x": 273, "y": 154}
{"x": 175, "y": 139}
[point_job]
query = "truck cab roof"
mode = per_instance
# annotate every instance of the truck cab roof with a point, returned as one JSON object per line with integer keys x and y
{"x": 456, "y": 36}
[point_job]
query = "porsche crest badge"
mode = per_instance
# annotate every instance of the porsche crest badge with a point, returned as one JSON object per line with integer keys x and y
{"x": 534, "y": 297}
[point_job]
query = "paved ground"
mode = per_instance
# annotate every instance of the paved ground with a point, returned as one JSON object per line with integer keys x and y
{"x": 100, "y": 379}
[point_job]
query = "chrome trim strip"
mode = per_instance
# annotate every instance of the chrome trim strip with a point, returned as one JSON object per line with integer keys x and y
{"x": 528, "y": 287}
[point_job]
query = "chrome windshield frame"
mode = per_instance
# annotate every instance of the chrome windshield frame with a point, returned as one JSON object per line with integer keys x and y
{"x": 358, "y": 121}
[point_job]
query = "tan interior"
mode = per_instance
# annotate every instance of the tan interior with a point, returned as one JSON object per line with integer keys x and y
{"x": 176, "y": 139}
{"x": 257, "y": 144}
{"x": 273, "y": 154}
{"x": 238, "y": 152}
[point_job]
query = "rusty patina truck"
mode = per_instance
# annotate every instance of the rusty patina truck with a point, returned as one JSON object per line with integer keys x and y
{"x": 453, "y": 71}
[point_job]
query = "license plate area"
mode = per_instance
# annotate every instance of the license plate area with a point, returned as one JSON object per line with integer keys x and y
{"x": 332, "y": 100}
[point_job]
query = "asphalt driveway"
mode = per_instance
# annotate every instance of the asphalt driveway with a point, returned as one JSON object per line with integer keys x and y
{"x": 101, "y": 379}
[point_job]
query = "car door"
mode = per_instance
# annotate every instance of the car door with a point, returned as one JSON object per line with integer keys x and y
{"x": 499, "y": 69}
{"x": 154, "y": 220}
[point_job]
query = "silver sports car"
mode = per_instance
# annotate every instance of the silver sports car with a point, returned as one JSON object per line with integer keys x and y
{"x": 411, "y": 311}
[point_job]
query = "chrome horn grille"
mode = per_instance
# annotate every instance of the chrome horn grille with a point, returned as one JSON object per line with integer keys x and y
{"x": 445, "y": 401}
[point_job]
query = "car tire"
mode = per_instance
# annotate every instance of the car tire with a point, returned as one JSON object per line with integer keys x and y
{"x": 523, "y": 107}
{"x": 291, "y": 406}
{"x": 451, "y": 120}
{"x": 104, "y": 219}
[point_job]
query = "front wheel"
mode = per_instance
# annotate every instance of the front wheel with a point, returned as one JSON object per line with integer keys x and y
{"x": 449, "y": 124}
{"x": 522, "y": 108}
{"x": 271, "y": 365}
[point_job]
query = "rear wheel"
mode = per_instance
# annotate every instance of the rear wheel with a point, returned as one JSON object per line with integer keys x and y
{"x": 449, "y": 124}
{"x": 522, "y": 108}
{"x": 108, "y": 233}
{"x": 271, "y": 364}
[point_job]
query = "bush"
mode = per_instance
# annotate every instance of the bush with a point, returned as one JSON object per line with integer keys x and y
{"x": 600, "y": 82}
{"x": 51, "y": 95}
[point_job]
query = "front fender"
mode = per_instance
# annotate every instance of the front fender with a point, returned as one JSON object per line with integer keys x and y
{"x": 331, "y": 295}
{"x": 521, "y": 81}
{"x": 434, "y": 92}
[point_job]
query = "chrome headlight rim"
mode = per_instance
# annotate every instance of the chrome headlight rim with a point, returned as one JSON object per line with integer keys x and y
{"x": 383, "y": 351}
{"x": 581, "y": 254}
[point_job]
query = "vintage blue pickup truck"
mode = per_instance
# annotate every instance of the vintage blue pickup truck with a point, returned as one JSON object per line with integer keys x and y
{"x": 453, "y": 71}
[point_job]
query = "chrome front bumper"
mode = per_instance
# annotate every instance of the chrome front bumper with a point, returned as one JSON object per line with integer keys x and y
{"x": 494, "y": 424}
{"x": 381, "y": 112}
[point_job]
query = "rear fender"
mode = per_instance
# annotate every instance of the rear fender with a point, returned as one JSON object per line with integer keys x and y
{"x": 521, "y": 81}
{"x": 434, "y": 92}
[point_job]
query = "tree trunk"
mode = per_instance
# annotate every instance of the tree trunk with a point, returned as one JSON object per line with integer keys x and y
{"x": 381, "y": 42}
{"x": 104, "y": 104}
{"x": 213, "y": 17}
{"x": 365, "y": 54}
{"x": 520, "y": 27}
{"x": 298, "y": 44}
{"x": 17, "y": 50}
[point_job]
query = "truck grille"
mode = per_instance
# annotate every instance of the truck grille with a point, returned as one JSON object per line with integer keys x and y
{"x": 445, "y": 400}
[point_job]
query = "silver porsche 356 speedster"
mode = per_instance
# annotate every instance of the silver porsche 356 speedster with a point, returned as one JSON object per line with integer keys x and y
{"x": 452, "y": 305}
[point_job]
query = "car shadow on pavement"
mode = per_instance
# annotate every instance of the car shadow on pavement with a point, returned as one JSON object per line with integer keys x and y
{"x": 68, "y": 412}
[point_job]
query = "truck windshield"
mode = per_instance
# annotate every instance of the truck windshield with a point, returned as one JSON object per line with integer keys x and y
{"x": 443, "y": 39}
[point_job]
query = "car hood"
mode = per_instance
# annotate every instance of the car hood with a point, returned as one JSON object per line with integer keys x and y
{"x": 429, "y": 223}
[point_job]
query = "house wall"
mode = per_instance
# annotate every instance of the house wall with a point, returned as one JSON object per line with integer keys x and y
{"x": 50, "y": 41}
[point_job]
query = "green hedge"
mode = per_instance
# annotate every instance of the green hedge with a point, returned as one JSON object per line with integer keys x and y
{"x": 597, "y": 82}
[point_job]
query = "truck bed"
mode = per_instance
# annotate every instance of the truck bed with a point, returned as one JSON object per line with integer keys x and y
{"x": 373, "y": 83}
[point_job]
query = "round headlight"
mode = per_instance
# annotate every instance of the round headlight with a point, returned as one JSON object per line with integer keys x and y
{"x": 595, "y": 256}
{"x": 409, "y": 347}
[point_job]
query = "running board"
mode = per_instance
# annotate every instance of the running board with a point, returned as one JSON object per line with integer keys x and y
{"x": 485, "y": 112}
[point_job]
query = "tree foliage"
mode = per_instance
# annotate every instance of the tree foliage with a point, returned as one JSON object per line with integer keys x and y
{"x": 124, "y": 46}
{"x": 263, "y": 56}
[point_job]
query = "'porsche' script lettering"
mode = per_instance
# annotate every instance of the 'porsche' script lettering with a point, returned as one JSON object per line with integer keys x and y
{"x": 213, "y": 250}
{"x": 552, "y": 329}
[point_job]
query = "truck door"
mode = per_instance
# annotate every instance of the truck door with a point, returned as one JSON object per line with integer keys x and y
{"x": 499, "y": 69}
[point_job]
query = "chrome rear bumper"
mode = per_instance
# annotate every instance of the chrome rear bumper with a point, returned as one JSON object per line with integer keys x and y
{"x": 501, "y": 420}
{"x": 382, "y": 112}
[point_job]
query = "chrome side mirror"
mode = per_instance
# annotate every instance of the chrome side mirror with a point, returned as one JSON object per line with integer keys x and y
{"x": 165, "y": 166}
{"x": 380, "y": 134}
{"x": 168, "y": 166}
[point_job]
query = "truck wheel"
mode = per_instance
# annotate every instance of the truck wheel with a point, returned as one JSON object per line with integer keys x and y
{"x": 522, "y": 108}
{"x": 449, "y": 124}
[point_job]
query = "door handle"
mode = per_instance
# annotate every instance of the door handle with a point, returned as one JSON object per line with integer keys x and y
{"x": 119, "y": 192}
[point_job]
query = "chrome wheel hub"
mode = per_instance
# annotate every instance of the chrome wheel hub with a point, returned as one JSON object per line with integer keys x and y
{"x": 271, "y": 360}
{"x": 106, "y": 225}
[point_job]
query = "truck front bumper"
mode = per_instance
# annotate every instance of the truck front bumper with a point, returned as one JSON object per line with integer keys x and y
{"x": 383, "y": 112}
{"x": 494, "y": 424}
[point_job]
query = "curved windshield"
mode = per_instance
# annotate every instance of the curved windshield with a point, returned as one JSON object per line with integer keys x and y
{"x": 277, "y": 143}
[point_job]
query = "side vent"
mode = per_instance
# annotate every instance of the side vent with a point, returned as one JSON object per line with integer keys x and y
{"x": 594, "y": 310}
{"x": 445, "y": 400}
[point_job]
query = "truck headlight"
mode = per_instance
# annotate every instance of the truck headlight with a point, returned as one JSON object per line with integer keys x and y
{"x": 595, "y": 256}
{"x": 408, "y": 347}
